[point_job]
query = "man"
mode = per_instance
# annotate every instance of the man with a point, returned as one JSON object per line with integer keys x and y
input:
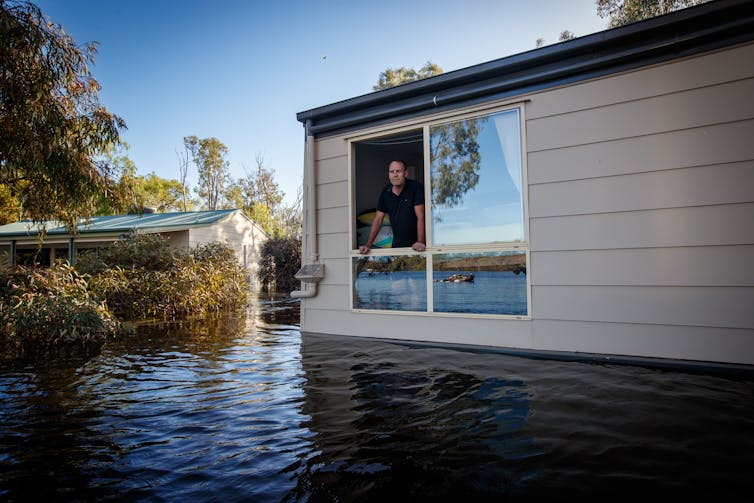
{"x": 403, "y": 200}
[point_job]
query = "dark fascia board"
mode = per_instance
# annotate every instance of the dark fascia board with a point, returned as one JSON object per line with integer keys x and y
{"x": 706, "y": 27}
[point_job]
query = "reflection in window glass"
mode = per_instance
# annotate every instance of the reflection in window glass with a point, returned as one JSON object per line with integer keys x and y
{"x": 476, "y": 178}
{"x": 395, "y": 282}
{"x": 485, "y": 283}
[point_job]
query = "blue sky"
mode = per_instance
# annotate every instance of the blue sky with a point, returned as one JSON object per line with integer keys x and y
{"x": 241, "y": 70}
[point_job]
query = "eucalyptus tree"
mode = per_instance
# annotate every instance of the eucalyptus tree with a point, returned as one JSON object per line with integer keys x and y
{"x": 262, "y": 197}
{"x": 454, "y": 150}
{"x": 392, "y": 77}
{"x": 208, "y": 155}
{"x": 52, "y": 125}
{"x": 620, "y": 12}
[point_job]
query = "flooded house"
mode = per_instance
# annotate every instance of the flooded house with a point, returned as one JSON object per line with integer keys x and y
{"x": 594, "y": 199}
{"x": 19, "y": 241}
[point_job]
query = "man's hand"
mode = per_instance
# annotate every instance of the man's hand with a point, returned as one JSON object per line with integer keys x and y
{"x": 364, "y": 249}
{"x": 418, "y": 246}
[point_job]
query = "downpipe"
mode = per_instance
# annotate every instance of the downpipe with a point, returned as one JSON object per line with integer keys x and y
{"x": 311, "y": 271}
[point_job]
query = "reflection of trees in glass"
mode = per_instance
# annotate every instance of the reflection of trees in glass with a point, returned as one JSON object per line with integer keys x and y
{"x": 499, "y": 262}
{"x": 386, "y": 264}
{"x": 456, "y": 160}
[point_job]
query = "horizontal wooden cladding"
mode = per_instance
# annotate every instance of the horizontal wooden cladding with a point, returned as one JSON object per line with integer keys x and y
{"x": 332, "y": 195}
{"x": 685, "y": 266}
{"x": 332, "y": 170}
{"x": 328, "y": 148}
{"x": 698, "y": 186}
{"x": 333, "y": 246}
{"x": 711, "y": 344}
{"x": 729, "y": 224}
{"x": 725, "y": 307}
{"x": 332, "y": 220}
{"x": 337, "y": 272}
{"x": 721, "y": 143}
{"x": 695, "y": 108}
{"x": 331, "y": 297}
{"x": 700, "y": 71}
{"x": 414, "y": 327}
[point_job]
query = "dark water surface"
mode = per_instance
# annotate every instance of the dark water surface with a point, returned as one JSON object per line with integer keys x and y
{"x": 246, "y": 409}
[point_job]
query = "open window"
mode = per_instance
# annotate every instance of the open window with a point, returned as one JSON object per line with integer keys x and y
{"x": 371, "y": 158}
{"x": 477, "y": 255}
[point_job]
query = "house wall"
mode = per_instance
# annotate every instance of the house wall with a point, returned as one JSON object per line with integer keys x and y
{"x": 179, "y": 239}
{"x": 241, "y": 234}
{"x": 641, "y": 203}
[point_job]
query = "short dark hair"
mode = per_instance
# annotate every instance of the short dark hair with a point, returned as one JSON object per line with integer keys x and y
{"x": 405, "y": 164}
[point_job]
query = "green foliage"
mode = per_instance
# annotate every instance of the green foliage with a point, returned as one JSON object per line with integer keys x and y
{"x": 621, "y": 12}
{"x": 134, "y": 193}
{"x": 396, "y": 76}
{"x": 151, "y": 252}
{"x": 262, "y": 198}
{"x": 162, "y": 195}
{"x": 52, "y": 126}
{"x": 455, "y": 160}
{"x": 391, "y": 264}
{"x": 208, "y": 155}
{"x": 144, "y": 277}
{"x": 280, "y": 261}
{"x": 51, "y": 307}
{"x": 290, "y": 219}
{"x": 10, "y": 206}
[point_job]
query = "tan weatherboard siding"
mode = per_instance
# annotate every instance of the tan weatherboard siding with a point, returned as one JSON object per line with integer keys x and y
{"x": 641, "y": 203}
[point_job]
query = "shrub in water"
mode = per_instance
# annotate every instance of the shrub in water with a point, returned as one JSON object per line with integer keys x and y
{"x": 171, "y": 283}
{"x": 44, "y": 308}
{"x": 281, "y": 260}
{"x": 151, "y": 252}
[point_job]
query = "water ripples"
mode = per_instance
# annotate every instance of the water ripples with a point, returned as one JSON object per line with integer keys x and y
{"x": 247, "y": 409}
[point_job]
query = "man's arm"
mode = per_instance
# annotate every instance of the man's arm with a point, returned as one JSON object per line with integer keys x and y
{"x": 376, "y": 224}
{"x": 421, "y": 239}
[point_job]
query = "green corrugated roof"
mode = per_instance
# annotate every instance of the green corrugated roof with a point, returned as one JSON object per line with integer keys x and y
{"x": 120, "y": 223}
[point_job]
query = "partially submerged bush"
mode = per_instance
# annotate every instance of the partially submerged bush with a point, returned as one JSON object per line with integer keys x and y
{"x": 44, "y": 308}
{"x": 171, "y": 283}
{"x": 281, "y": 260}
{"x": 151, "y": 252}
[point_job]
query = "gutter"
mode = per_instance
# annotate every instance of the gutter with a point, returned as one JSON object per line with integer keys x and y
{"x": 312, "y": 271}
{"x": 702, "y": 28}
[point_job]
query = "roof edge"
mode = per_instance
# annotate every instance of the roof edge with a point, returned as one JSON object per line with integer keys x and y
{"x": 686, "y": 32}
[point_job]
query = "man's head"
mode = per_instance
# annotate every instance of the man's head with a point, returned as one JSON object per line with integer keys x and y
{"x": 397, "y": 173}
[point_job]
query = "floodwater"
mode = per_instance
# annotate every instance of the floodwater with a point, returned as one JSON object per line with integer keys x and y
{"x": 246, "y": 409}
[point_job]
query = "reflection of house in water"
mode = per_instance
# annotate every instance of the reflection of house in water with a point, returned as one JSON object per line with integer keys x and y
{"x": 393, "y": 420}
{"x": 600, "y": 190}
{"x": 385, "y": 421}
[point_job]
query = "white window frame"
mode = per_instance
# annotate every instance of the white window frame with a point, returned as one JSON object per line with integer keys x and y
{"x": 431, "y": 250}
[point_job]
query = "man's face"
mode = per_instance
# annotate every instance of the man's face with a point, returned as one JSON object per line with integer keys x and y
{"x": 397, "y": 173}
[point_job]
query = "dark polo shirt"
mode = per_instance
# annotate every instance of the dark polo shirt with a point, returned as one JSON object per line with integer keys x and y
{"x": 401, "y": 211}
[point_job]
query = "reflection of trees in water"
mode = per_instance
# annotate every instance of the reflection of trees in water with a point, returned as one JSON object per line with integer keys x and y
{"x": 92, "y": 427}
{"x": 456, "y": 160}
{"x": 51, "y": 448}
{"x": 278, "y": 310}
{"x": 202, "y": 334}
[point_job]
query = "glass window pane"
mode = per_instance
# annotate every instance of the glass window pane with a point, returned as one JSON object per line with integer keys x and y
{"x": 483, "y": 283}
{"x": 476, "y": 180}
{"x": 394, "y": 282}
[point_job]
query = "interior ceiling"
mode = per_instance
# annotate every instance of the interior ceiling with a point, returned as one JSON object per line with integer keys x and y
{"x": 406, "y": 145}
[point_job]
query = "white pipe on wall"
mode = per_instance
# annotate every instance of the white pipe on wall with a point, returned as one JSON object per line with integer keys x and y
{"x": 309, "y": 250}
